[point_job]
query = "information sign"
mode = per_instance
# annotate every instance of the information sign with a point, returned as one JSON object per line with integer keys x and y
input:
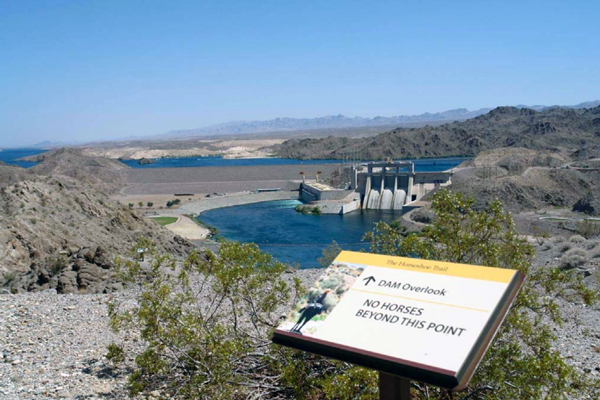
{"x": 425, "y": 320}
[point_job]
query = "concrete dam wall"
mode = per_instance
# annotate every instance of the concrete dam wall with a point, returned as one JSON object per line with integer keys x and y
{"x": 392, "y": 185}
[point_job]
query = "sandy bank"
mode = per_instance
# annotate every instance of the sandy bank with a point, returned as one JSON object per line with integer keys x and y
{"x": 186, "y": 228}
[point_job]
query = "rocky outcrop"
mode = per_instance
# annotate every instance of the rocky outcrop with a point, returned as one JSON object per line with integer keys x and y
{"x": 57, "y": 233}
{"x": 99, "y": 172}
{"x": 83, "y": 270}
{"x": 146, "y": 161}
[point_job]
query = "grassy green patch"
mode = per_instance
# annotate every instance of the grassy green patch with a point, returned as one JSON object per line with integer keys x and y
{"x": 165, "y": 220}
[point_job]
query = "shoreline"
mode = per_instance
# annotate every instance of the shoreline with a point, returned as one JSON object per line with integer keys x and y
{"x": 236, "y": 199}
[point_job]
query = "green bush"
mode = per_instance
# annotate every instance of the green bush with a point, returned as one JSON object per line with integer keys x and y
{"x": 205, "y": 324}
{"x": 173, "y": 202}
{"x": 115, "y": 354}
{"x": 329, "y": 254}
{"x": 521, "y": 362}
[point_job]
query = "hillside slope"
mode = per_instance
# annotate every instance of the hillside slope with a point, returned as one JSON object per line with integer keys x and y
{"x": 549, "y": 129}
{"x": 100, "y": 172}
{"x": 523, "y": 179}
{"x": 60, "y": 230}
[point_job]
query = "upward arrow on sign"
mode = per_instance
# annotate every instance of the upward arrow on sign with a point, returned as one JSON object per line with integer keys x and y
{"x": 369, "y": 280}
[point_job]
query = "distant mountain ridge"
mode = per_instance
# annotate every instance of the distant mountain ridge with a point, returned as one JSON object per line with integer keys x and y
{"x": 553, "y": 128}
{"x": 342, "y": 121}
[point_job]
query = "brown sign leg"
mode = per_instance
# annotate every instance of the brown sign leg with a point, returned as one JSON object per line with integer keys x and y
{"x": 392, "y": 387}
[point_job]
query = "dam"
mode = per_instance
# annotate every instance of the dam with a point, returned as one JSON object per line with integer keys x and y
{"x": 393, "y": 185}
{"x": 388, "y": 185}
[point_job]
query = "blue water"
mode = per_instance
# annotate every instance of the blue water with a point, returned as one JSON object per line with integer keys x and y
{"x": 10, "y": 156}
{"x": 291, "y": 236}
{"x": 438, "y": 164}
{"x": 221, "y": 162}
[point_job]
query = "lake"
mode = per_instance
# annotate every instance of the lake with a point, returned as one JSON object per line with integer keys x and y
{"x": 291, "y": 236}
{"x": 438, "y": 164}
{"x": 10, "y": 156}
{"x": 183, "y": 162}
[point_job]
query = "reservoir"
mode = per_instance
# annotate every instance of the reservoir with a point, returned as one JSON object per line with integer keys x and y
{"x": 11, "y": 156}
{"x": 291, "y": 236}
{"x": 437, "y": 164}
{"x": 182, "y": 162}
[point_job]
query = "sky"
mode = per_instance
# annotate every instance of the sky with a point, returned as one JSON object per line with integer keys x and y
{"x": 99, "y": 70}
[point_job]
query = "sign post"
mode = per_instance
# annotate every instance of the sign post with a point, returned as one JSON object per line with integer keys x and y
{"x": 393, "y": 387}
{"x": 410, "y": 319}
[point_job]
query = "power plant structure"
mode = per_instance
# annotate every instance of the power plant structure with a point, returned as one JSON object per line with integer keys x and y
{"x": 388, "y": 185}
{"x": 392, "y": 185}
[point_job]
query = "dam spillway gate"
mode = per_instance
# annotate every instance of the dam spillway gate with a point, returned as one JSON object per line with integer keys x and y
{"x": 392, "y": 185}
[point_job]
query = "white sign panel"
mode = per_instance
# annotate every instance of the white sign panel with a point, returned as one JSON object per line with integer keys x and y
{"x": 425, "y": 320}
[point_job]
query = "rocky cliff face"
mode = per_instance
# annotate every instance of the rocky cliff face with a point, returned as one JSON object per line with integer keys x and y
{"x": 59, "y": 232}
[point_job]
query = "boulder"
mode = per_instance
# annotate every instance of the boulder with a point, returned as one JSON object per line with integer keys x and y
{"x": 67, "y": 282}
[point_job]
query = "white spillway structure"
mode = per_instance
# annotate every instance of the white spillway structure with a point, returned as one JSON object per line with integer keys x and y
{"x": 372, "y": 201}
{"x": 388, "y": 197}
{"x": 399, "y": 199}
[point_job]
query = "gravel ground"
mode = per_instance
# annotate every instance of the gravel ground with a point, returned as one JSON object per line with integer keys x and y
{"x": 54, "y": 346}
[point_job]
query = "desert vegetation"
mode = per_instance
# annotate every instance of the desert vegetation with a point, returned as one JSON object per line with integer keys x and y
{"x": 206, "y": 322}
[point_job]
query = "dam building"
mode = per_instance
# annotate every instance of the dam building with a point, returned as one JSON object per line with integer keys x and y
{"x": 390, "y": 185}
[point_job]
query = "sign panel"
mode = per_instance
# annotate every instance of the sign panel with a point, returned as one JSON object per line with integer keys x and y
{"x": 420, "y": 319}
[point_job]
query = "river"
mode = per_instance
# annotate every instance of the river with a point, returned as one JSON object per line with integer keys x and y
{"x": 291, "y": 236}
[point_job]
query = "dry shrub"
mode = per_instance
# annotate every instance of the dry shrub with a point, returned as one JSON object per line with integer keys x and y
{"x": 573, "y": 258}
{"x": 565, "y": 246}
{"x": 577, "y": 239}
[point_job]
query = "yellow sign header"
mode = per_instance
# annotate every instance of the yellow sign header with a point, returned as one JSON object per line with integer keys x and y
{"x": 433, "y": 267}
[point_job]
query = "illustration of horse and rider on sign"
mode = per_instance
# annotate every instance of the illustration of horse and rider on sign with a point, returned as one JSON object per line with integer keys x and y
{"x": 310, "y": 312}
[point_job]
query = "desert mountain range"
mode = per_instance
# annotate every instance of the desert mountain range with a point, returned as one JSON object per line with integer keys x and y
{"x": 343, "y": 122}
{"x": 549, "y": 129}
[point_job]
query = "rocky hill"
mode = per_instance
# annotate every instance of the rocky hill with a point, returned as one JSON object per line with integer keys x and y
{"x": 524, "y": 179}
{"x": 60, "y": 230}
{"x": 549, "y": 129}
{"x": 100, "y": 172}
{"x": 10, "y": 174}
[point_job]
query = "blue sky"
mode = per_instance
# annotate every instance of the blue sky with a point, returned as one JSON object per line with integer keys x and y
{"x": 90, "y": 70}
